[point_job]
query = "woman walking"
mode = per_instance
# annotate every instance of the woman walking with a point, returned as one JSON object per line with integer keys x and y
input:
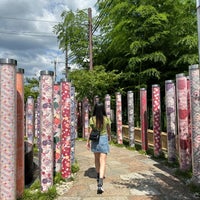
{"x": 100, "y": 148}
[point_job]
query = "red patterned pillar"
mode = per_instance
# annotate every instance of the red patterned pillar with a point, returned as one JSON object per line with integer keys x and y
{"x": 143, "y": 118}
{"x": 65, "y": 130}
{"x": 20, "y": 131}
{"x": 182, "y": 114}
{"x": 156, "y": 119}
{"x": 57, "y": 126}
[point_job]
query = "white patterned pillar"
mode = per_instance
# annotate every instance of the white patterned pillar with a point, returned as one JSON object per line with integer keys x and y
{"x": 8, "y": 136}
{"x": 195, "y": 121}
{"x": 130, "y": 102}
{"x": 46, "y": 130}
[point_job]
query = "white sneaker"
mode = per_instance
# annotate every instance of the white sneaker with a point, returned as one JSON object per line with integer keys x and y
{"x": 100, "y": 190}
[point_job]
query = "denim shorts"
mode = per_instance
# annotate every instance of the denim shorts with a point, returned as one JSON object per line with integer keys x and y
{"x": 102, "y": 146}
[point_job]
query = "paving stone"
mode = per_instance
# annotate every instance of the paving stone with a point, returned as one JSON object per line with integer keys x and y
{"x": 129, "y": 176}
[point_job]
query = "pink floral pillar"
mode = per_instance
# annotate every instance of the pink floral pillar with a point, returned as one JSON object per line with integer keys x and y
{"x": 30, "y": 119}
{"x": 107, "y": 106}
{"x": 156, "y": 119}
{"x": 143, "y": 118}
{"x": 170, "y": 102}
{"x": 46, "y": 130}
{"x": 57, "y": 126}
{"x": 183, "y": 133}
{"x": 189, "y": 116}
{"x": 119, "y": 118}
{"x": 131, "y": 127}
{"x": 20, "y": 131}
{"x": 65, "y": 129}
{"x": 73, "y": 126}
{"x": 37, "y": 119}
{"x": 85, "y": 114}
{"x": 195, "y": 121}
{"x": 8, "y": 136}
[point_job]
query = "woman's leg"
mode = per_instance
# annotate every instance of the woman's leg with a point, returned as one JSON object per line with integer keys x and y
{"x": 97, "y": 162}
{"x": 101, "y": 172}
{"x": 102, "y": 168}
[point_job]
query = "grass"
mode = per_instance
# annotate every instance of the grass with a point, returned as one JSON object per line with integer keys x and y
{"x": 34, "y": 191}
{"x": 36, "y": 194}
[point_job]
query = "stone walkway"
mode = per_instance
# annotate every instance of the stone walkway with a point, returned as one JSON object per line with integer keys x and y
{"x": 129, "y": 175}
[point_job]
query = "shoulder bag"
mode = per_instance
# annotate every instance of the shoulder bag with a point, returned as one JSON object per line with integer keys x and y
{"x": 95, "y": 134}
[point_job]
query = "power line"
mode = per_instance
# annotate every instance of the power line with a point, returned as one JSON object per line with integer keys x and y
{"x": 102, "y": 14}
{"x": 26, "y": 34}
{"x": 23, "y": 19}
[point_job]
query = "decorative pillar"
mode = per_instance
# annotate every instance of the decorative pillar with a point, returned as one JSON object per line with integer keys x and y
{"x": 73, "y": 121}
{"x": 20, "y": 132}
{"x": 85, "y": 118}
{"x": 37, "y": 130}
{"x": 189, "y": 117}
{"x": 46, "y": 130}
{"x": 182, "y": 110}
{"x": 156, "y": 119}
{"x": 8, "y": 136}
{"x": 57, "y": 126}
{"x": 195, "y": 121}
{"x": 130, "y": 102}
{"x": 170, "y": 102}
{"x": 107, "y": 106}
{"x": 96, "y": 99}
{"x": 143, "y": 118}
{"x": 65, "y": 130}
{"x": 30, "y": 120}
{"x": 79, "y": 116}
{"x": 119, "y": 118}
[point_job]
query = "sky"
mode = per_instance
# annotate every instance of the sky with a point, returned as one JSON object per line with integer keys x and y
{"x": 26, "y": 33}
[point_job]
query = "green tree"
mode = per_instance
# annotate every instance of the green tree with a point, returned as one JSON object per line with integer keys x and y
{"x": 149, "y": 41}
{"x": 31, "y": 88}
{"x": 72, "y": 35}
{"x": 144, "y": 39}
{"x": 94, "y": 82}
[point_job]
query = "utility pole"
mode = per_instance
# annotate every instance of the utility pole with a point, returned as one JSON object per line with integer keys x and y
{"x": 198, "y": 24}
{"x": 90, "y": 38}
{"x": 66, "y": 63}
{"x": 55, "y": 66}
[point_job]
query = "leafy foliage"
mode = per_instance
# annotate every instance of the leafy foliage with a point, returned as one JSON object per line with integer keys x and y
{"x": 148, "y": 42}
{"x": 31, "y": 88}
{"x": 72, "y": 35}
{"x": 94, "y": 82}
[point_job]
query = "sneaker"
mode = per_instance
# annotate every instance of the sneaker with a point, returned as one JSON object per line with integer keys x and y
{"x": 100, "y": 190}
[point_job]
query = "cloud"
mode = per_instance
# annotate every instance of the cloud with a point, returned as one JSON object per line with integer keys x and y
{"x": 26, "y": 32}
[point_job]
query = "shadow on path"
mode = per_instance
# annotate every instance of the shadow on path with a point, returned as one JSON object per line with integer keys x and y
{"x": 91, "y": 173}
